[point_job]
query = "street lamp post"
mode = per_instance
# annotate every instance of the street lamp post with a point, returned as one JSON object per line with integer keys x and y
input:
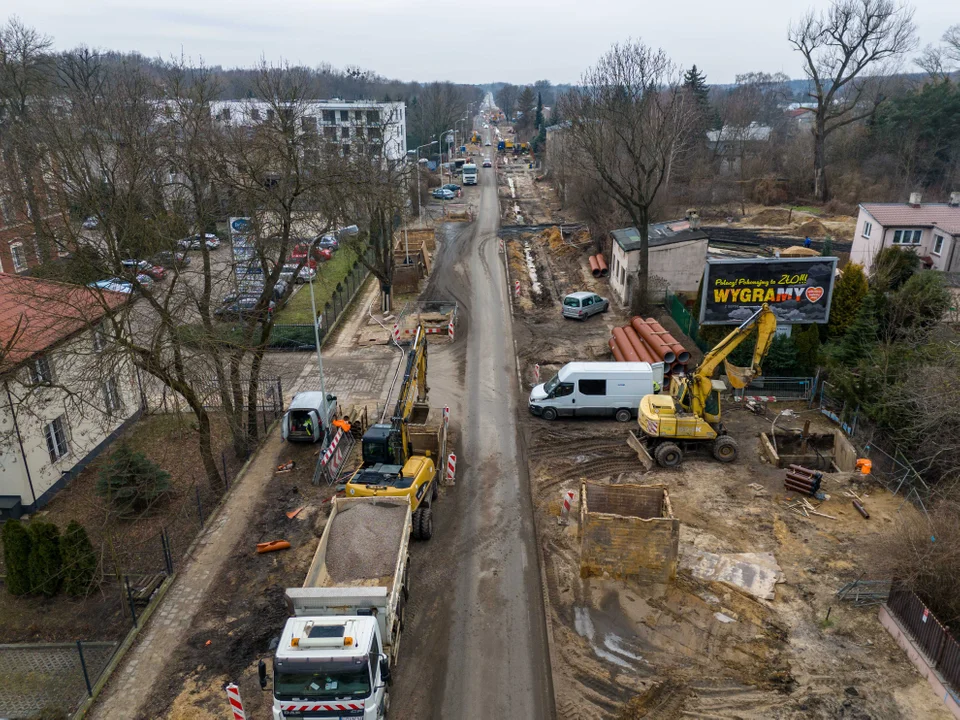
{"x": 449, "y": 134}
{"x": 419, "y": 201}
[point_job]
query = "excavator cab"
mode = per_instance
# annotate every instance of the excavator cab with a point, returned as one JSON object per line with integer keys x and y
{"x": 376, "y": 445}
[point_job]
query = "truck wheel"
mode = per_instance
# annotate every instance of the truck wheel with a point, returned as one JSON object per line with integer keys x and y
{"x": 426, "y": 524}
{"x": 725, "y": 449}
{"x": 549, "y": 414}
{"x": 669, "y": 455}
{"x": 623, "y": 415}
{"x": 415, "y": 523}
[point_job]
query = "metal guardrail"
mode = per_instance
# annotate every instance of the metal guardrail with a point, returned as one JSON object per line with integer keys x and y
{"x": 933, "y": 639}
{"x": 780, "y": 388}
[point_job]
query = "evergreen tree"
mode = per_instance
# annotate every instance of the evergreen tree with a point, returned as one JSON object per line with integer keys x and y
{"x": 848, "y": 293}
{"x": 16, "y": 557}
{"x": 893, "y": 268}
{"x": 861, "y": 336}
{"x": 45, "y": 562}
{"x": 807, "y": 343}
{"x": 781, "y": 357}
{"x": 696, "y": 82}
{"x": 538, "y": 121}
{"x": 79, "y": 560}
{"x": 131, "y": 481}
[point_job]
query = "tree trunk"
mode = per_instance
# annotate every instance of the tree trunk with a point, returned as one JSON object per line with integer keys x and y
{"x": 819, "y": 161}
{"x": 206, "y": 447}
{"x": 238, "y": 431}
{"x": 639, "y": 301}
{"x": 253, "y": 392}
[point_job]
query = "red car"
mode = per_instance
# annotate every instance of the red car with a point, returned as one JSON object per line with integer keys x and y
{"x": 299, "y": 252}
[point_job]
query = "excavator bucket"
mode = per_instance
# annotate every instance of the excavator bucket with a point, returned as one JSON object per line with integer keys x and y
{"x": 640, "y": 447}
{"x": 739, "y": 377}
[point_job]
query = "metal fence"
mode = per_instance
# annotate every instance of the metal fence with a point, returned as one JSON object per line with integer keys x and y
{"x": 773, "y": 389}
{"x": 838, "y": 409}
{"x": 49, "y": 677}
{"x": 686, "y": 320}
{"x": 300, "y": 337}
{"x": 934, "y": 640}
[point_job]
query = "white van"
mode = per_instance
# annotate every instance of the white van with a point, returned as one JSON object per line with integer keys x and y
{"x": 596, "y": 389}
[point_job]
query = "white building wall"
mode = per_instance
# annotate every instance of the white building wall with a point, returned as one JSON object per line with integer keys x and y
{"x": 76, "y": 395}
{"x": 680, "y": 265}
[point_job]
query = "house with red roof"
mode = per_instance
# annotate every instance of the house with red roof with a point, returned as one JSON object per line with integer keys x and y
{"x": 931, "y": 230}
{"x": 66, "y": 389}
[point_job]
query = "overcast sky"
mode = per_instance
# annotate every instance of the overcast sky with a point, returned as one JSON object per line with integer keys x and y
{"x": 518, "y": 41}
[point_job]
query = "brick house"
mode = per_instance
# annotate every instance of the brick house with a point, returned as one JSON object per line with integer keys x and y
{"x": 932, "y": 230}
{"x": 64, "y": 393}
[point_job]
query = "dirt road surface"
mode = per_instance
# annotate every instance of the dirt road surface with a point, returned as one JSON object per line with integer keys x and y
{"x": 475, "y": 643}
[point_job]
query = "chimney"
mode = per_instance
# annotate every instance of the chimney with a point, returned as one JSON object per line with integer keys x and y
{"x": 915, "y": 199}
{"x": 694, "y": 218}
{"x": 955, "y": 199}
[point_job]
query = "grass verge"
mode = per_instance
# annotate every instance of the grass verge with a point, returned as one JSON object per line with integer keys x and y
{"x": 297, "y": 311}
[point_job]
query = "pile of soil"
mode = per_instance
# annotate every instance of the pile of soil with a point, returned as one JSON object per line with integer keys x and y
{"x": 812, "y": 229}
{"x": 773, "y": 217}
{"x": 364, "y": 541}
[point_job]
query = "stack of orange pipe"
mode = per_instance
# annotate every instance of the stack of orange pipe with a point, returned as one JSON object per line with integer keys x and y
{"x": 598, "y": 265}
{"x": 594, "y": 266}
{"x": 645, "y": 340}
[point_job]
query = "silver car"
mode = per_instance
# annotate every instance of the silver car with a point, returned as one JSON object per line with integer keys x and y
{"x": 581, "y": 305}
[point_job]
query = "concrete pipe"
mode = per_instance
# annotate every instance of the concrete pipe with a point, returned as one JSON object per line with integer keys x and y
{"x": 594, "y": 266}
{"x": 653, "y": 341}
{"x": 682, "y": 355}
{"x": 604, "y": 270}
{"x": 643, "y": 352}
{"x": 629, "y": 354}
{"x": 617, "y": 355}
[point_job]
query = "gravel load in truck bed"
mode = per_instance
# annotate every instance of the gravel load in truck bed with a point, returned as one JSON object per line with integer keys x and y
{"x": 364, "y": 541}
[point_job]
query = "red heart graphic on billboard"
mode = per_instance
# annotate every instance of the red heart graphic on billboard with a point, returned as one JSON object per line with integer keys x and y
{"x": 814, "y": 293}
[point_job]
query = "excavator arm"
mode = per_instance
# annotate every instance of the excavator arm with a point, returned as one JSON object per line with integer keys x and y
{"x": 413, "y": 390}
{"x": 765, "y": 322}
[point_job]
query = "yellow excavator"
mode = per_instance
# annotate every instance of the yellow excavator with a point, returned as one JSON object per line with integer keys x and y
{"x": 689, "y": 416}
{"x": 400, "y": 457}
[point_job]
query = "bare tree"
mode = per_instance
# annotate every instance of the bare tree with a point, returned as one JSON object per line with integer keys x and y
{"x": 629, "y": 123}
{"x": 940, "y": 60}
{"x": 506, "y": 99}
{"x": 838, "y": 47}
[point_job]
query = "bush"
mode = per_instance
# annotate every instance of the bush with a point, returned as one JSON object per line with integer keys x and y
{"x": 45, "y": 561}
{"x": 848, "y": 293}
{"x": 894, "y": 266}
{"x": 16, "y": 557}
{"x": 807, "y": 343}
{"x": 79, "y": 560}
{"x": 132, "y": 482}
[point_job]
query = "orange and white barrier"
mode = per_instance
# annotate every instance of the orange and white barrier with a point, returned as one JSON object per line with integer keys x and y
{"x": 450, "y": 327}
{"x": 536, "y": 373}
{"x": 396, "y": 333}
{"x": 565, "y": 505}
{"x": 446, "y": 416}
{"x": 516, "y": 288}
{"x": 236, "y": 705}
{"x": 451, "y": 468}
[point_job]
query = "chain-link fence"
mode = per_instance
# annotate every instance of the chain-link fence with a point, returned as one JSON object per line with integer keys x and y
{"x": 685, "y": 319}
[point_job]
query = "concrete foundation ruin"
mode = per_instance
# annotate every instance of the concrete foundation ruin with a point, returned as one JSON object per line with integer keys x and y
{"x": 628, "y": 531}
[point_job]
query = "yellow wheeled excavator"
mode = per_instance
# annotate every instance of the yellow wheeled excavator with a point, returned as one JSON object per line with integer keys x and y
{"x": 689, "y": 416}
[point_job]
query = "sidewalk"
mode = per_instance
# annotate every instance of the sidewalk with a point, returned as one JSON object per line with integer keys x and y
{"x": 134, "y": 679}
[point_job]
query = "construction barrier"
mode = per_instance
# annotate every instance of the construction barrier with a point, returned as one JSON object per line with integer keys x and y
{"x": 451, "y": 468}
{"x": 501, "y": 245}
{"x": 516, "y": 288}
{"x": 450, "y": 327}
{"x": 446, "y": 415}
{"x": 565, "y": 504}
{"x": 536, "y": 373}
{"x": 396, "y": 333}
{"x": 236, "y": 704}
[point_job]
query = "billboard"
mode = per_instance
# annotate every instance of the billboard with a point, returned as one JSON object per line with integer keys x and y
{"x": 246, "y": 265}
{"x": 798, "y": 290}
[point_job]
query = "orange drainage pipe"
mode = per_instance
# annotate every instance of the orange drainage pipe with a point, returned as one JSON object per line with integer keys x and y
{"x": 617, "y": 355}
{"x": 604, "y": 270}
{"x": 594, "y": 266}
{"x": 653, "y": 341}
{"x": 272, "y": 546}
{"x": 643, "y": 352}
{"x": 629, "y": 354}
{"x": 682, "y": 355}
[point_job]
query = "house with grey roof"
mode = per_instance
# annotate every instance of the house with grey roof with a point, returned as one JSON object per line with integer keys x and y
{"x": 932, "y": 230}
{"x": 677, "y": 255}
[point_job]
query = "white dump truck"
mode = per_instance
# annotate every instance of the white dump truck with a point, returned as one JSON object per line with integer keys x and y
{"x": 336, "y": 653}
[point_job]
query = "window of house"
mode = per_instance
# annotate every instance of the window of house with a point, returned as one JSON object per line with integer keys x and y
{"x": 255, "y": 113}
{"x": 329, "y": 116}
{"x": 346, "y": 149}
{"x": 330, "y": 133}
{"x": 41, "y": 371}
{"x": 358, "y": 132}
{"x": 19, "y": 257}
{"x": 907, "y": 237}
{"x": 867, "y": 229}
{"x": 358, "y": 115}
{"x": 225, "y": 114}
{"x": 344, "y": 115}
{"x": 593, "y": 387}
{"x": 345, "y": 132}
{"x": 373, "y": 116}
{"x": 99, "y": 338}
{"x": 112, "y": 402}
{"x": 309, "y": 124}
{"x": 58, "y": 444}
{"x": 937, "y": 244}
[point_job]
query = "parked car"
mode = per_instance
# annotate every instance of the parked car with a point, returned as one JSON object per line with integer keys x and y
{"x": 91, "y": 223}
{"x": 452, "y": 187}
{"x": 581, "y": 305}
{"x": 289, "y": 272}
{"x": 443, "y": 194}
{"x": 329, "y": 242}
{"x": 144, "y": 268}
{"x": 278, "y": 290}
{"x": 299, "y": 252}
{"x": 241, "y": 308}
{"x": 169, "y": 259}
{"x": 487, "y": 143}
{"x": 113, "y": 285}
{"x": 193, "y": 242}
{"x": 487, "y": 163}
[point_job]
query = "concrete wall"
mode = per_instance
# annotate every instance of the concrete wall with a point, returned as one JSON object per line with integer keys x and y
{"x": 680, "y": 265}
{"x": 628, "y": 531}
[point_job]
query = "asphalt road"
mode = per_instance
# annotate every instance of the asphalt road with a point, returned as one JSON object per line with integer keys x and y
{"x": 475, "y": 642}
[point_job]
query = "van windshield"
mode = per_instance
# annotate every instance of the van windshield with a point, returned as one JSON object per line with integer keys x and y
{"x": 571, "y": 302}
{"x": 550, "y": 385}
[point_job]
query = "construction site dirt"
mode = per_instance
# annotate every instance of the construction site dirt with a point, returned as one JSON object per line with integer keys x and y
{"x": 709, "y": 644}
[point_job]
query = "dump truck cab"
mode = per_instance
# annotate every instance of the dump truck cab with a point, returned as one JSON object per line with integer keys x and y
{"x": 331, "y": 667}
